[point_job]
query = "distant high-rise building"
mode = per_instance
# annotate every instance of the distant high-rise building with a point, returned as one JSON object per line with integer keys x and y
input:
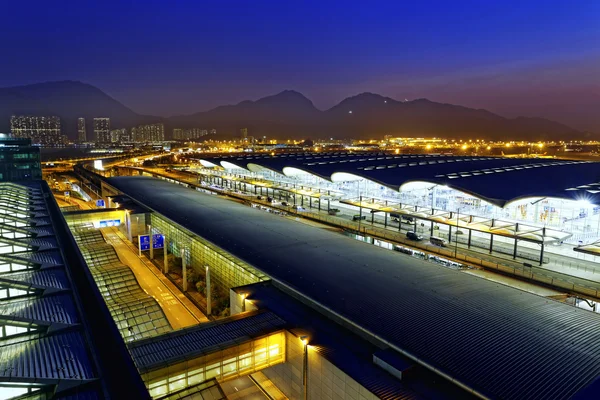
{"x": 102, "y": 130}
{"x": 81, "y": 136}
{"x": 148, "y": 133}
{"x": 41, "y": 130}
{"x": 119, "y": 135}
{"x": 189, "y": 134}
{"x": 20, "y": 160}
{"x": 244, "y": 133}
{"x": 213, "y": 131}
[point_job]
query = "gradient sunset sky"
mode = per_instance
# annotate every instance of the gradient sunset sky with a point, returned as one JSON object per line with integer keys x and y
{"x": 176, "y": 57}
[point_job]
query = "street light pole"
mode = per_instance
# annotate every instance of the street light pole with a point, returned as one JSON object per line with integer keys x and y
{"x": 304, "y": 340}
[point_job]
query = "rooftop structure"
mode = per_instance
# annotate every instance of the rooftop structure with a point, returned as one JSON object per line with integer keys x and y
{"x": 490, "y": 339}
{"x": 49, "y": 348}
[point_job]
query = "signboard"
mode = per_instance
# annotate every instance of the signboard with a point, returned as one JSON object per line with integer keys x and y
{"x": 98, "y": 165}
{"x": 144, "y": 242}
{"x": 109, "y": 222}
{"x": 158, "y": 241}
{"x": 100, "y": 203}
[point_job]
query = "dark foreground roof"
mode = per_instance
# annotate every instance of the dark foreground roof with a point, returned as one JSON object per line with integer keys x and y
{"x": 50, "y": 345}
{"x": 348, "y": 351}
{"x": 498, "y": 341}
{"x": 489, "y": 178}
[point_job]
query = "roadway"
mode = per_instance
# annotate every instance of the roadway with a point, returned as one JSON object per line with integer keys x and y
{"x": 179, "y": 310}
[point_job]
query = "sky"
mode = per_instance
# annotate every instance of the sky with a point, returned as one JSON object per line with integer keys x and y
{"x": 178, "y": 57}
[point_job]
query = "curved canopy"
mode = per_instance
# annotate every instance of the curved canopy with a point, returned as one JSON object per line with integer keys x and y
{"x": 493, "y": 179}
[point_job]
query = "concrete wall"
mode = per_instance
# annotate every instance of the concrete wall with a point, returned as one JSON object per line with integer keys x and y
{"x": 325, "y": 380}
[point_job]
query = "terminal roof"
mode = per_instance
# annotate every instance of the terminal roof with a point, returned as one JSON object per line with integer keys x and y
{"x": 494, "y": 179}
{"x": 495, "y": 340}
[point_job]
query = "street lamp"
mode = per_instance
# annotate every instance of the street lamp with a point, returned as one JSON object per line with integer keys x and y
{"x": 304, "y": 340}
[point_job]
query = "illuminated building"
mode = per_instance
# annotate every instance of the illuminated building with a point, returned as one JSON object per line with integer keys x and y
{"x": 44, "y": 131}
{"x": 189, "y": 134}
{"x": 81, "y": 134}
{"x": 148, "y": 133}
{"x": 102, "y": 130}
{"x": 20, "y": 161}
{"x": 120, "y": 135}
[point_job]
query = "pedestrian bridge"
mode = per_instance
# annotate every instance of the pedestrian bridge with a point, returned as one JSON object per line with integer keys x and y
{"x": 224, "y": 349}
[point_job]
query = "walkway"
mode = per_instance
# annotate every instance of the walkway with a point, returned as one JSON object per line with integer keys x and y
{"x": 180, "y": 311}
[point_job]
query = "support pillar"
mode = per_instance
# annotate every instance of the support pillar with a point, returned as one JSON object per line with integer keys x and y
{"x": 165, "y": 256}
{"x": 542, "y": 251}
{"x": 208, "y": 294}
{"x": 151, "y": 243}
{"x": 491, "y": 242}
{"x": 184, "y": 269}
{"x": 469, "y": 242}
{"x": 385, "y": 214}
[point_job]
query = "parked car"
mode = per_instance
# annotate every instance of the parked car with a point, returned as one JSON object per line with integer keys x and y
{"x": 413, "y": 236}
{"x": 358, "y": 217}
{"x": 438, "y": 241}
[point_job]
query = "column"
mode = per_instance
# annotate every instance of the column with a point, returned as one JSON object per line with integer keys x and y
{"x": 208, "y": 294}
{"x": 151, "y": 242}
{"x": 184, "y": 269}
{"x": 165, "y": 255}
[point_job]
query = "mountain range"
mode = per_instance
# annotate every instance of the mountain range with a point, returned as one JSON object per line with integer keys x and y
{"x": 288, "y": 114}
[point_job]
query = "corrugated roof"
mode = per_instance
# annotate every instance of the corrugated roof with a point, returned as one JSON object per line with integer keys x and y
{"x": 44, "y": 341}
{"x": 52, "y": 357}
{"x": 56, "y": 308}
{"x": 499, "y": 341}
{"x": 192, "y": 342}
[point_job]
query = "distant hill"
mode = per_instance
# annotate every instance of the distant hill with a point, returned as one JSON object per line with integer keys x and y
{"x": 69, "y": 100}
{"x": 368, "y": 115}
{"x": 288, "y": 114}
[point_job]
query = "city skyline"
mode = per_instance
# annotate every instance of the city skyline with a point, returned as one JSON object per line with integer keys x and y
{"x": 535, "y": 59}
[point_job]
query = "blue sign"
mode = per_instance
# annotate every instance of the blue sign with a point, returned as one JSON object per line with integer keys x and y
{"x": 109, "y": 222}
{"x": 100, "y": 203}
{"x": 158, "y": 241}
{"x": 144, "y": 242}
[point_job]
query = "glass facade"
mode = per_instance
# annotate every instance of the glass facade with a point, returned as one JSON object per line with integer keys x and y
{"x": 235, "y": 361}
{"x": 19, "y": 160}
{"x": 225, "y": 270}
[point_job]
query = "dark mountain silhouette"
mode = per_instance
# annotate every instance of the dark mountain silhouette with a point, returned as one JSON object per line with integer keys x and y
{"x": 69, "y": 100}
{"x": 288, "y": 114}
{"x": 369, "y": 115}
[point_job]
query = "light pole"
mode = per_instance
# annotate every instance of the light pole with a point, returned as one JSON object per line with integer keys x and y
{"x": 456, "y": 233}
{"x": 304, "y": 340}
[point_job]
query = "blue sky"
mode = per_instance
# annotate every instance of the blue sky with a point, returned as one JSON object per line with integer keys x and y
{"x": 172, "y": 57}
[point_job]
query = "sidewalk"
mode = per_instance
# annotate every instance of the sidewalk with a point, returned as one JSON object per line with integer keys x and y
{"x": 179, "y": 310}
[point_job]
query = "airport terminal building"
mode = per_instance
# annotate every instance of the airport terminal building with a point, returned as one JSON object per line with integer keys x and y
{"x": 350, "y": 320}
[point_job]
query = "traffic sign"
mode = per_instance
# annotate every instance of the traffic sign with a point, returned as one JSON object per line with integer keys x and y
{"x": 100, "y": 203}
{"x": 67, "y": 194}
{"x": 158, "y": 241}
{"x": 144, "y": 242}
